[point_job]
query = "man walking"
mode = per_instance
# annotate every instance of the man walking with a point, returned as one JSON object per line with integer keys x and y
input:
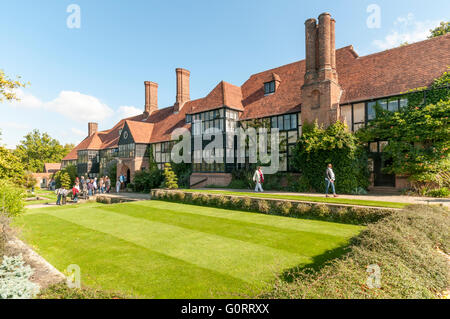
{"x": 330, "y": 178}
{"x": 258, "y": 178}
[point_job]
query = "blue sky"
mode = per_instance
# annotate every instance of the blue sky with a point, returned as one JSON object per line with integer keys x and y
{"x": 96, "y": 72}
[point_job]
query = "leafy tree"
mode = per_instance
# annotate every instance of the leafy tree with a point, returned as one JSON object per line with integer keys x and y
{"x": 318, "y": 147}
{"x": 146, "y": 180}
{"x": 65, "y": 180}
{"x": 37, "y": 149}
{"x": 170, "y": 179}
{"x": 29, "y": 180}
{"x": 10, "y": 167}
{"x": 11, "y": 195}
{"x": 7, "y": 86}
{"x": 443, "y": 28}
{"x": 417, "y": 135}
{"x": 70, "y": 170}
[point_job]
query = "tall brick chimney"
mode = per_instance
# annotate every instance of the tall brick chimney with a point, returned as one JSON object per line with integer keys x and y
{"x": 92, "y": 128}
{"x": 151, "y": 97}
{"x": 182, "y": 88}
{"x": 321, "y": 91}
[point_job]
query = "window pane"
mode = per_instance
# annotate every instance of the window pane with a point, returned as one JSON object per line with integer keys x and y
{"x": 274, "y": 122}
{"x": 383, "y": 104}
{"x": 359, "y": 113}
{"x": 293, "y": 121}
{"x": 280, "y": 122}
{"x": 393, "y": 106}
{"x": 346, "y": 113}
{"x": 374, "y": 147}
{"x": 371, "y": 110}
{"x": 287, "y": 122}
{"x": 403, "y": 102}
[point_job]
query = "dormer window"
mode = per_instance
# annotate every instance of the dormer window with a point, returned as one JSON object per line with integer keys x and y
{"x": 269, "y": 87}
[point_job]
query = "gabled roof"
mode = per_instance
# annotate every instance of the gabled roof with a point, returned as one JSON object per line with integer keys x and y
{"x": 373, "y": 76}
{"x": 223, "y": 94}
{"x": 52, "y": 167}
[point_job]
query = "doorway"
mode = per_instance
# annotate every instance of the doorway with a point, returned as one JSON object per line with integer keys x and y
{"x": 381, "y": 178}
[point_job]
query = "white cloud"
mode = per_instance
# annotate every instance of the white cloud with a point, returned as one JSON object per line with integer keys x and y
{"x": 128, "y": 111}
{"x": 79, "y": 107}
{"x": 74, "y": 105}
{"x": 407, "y": 29}
{"x": 14, "y": 125}
{"x": 78, "y": 132}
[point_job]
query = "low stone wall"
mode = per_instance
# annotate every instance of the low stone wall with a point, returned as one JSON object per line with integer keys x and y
{"x": 104, "y": 199}
{"x": 348, "y": 214}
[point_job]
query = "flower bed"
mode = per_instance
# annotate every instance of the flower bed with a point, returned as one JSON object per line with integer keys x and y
{"x": 322, "y": 211}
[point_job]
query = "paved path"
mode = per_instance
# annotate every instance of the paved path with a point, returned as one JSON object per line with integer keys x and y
{"x": 374, "y": 197}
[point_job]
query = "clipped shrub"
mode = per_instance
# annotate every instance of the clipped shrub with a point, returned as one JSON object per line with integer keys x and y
{"x": 204, "y": 199}
{"x": 245, "y": 203}
{"x": 320, "y": 210}
{"x": 15, "y": 279}
{"x": 301, "y": 209}
{"x": 178, "y": 196}
{"x": 235, "y": 202}
{"x": 222, "y": 201}
{"x": 62, "y": 291}
{"x": 440, "y": 192}
{"x": 262, "y": 206}
{"x": 283, "y": 207}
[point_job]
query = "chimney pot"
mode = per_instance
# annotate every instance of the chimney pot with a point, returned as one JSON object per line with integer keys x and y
{"x": 183, "y": 94}
{"x": 92, "y": 128}
{"x": 151, "y": 97}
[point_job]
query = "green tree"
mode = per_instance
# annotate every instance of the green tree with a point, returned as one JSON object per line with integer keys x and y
{"x": 170, "y": 179}
{"x": 37, "y": 149}
{"x": 65, "y": 180}
{"x": 7, "y": 87}
{"x": 417, "y": 135}
{"x": 318, "y": 147}
{"x": 10, "y": 167}
{"x": 443, "y": 28}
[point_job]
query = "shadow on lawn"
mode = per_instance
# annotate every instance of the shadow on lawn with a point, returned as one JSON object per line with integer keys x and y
{"x": 318, "y": 262}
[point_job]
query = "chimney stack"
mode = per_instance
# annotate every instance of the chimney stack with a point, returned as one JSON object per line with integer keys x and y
{"x": 92, "y": 128}
{"x": 151, "y": 97}
{"x": 182, "y": 88}
{"x": 321, "y": 91}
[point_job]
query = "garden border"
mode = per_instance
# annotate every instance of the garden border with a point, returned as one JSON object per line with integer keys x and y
{"x": 342, "y": 213}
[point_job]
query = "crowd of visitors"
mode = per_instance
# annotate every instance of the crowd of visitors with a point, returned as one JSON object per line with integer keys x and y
{"x": 84, "y": 188}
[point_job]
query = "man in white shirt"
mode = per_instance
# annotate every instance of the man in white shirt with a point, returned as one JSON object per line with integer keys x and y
{"x": 258, "y": 178}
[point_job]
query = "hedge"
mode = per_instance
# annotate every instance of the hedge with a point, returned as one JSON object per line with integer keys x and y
{"x": 408, "y": 249}
{"x": 281, "y": 207}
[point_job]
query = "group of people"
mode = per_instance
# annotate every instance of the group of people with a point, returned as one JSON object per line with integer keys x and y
{"x": 258, "y": 178}
{"x": 84, "y": 187}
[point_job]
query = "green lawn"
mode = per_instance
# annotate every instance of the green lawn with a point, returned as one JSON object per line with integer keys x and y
{"x": 156, "y": 249}
{"x": 315, "y": 199}
{"x": 49, "y": 195}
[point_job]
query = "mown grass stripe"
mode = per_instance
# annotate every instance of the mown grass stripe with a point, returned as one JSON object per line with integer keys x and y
{"x": 116, "y": 264}
{"x": 264, "y": 235}
{"x": 281, "y": 222}
{"x": 231, "y": 257}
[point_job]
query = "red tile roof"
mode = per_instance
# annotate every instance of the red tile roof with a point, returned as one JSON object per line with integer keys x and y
{"x": 377, "y": 75}
{"x": 52, "y": 167}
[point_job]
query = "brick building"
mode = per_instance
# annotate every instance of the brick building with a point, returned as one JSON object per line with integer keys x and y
{"x": 327, "y": 86}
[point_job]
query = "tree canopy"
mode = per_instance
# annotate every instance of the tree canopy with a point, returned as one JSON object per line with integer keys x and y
{"x": 7, "y": 86}
{"x": 38, "y": 148}
{"x": 442, "y": 29}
